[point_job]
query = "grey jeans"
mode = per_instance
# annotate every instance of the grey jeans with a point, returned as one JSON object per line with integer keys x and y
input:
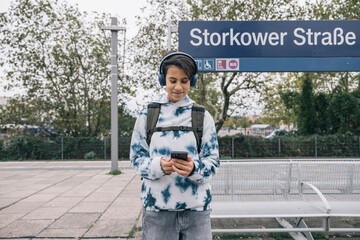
{"x": 176, "y": 225}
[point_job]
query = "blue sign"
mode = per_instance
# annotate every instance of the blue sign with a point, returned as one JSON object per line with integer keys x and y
{"x": 297, "y": 45}
{"x": 206, "y": 64}
{"x": 350, "y": 64}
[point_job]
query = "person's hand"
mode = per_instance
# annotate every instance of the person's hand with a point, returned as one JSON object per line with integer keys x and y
{"x": 166, "y": 165}
{"x": 183, "y": 167}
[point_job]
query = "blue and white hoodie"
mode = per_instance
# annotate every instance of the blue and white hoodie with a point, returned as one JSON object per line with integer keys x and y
{"x": 173, "y": 192}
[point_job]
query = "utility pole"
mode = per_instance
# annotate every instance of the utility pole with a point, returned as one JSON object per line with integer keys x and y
{"x": 171, "y": 29}
{"x": 114, "y": 28}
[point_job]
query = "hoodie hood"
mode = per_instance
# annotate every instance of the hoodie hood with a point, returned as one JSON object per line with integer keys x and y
{"x": 163, "y": 99}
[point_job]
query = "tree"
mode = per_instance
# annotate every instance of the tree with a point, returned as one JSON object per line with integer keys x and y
{"x": 230, "y": 122}
{"x": 61, "y": 57}
{"x": 243, "y": 122}
{"x": 336, "y": 10}
{"x": 323, "y": 82}
{"x": 291, "y": 100}
{"x": 307, "y": 114}
{"x": 344, "y": 113}
{"x": 221, "y": 93}
{"x": 322, "y": 113}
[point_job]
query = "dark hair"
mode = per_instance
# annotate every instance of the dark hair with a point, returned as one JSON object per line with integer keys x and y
{"x": 181, "y": 61}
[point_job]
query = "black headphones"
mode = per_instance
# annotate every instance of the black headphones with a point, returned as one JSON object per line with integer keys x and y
{"x": 162, "y": 78}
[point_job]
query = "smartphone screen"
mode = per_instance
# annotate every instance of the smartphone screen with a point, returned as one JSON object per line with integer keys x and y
{"x": 179, "y": 155}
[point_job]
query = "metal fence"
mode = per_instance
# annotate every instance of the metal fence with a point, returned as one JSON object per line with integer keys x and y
{"x": 314, "y": 146}
{"x": 67, "y": 148}
{"x": 61, "y": 148}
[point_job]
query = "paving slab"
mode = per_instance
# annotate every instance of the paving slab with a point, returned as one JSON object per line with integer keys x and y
{"x": 115, "y": 213}
{"x": 62, "y": 233}
{"x": 127, "y": 202}
{"x": 52, "y": 213}
{"x": 41, "y": 197}
{"x": 77, "y": 192}
{"x": 24, "y": 228}
{"x": 72, "y": 200}
{"x": 7, "y": 218}
{"x": 90, "y": 207}
{"x": 64, "y": 202}
{"x": 101, "y": 196}
{"x": 76, "y": 220}
{"x": 22, "y": 207}
{"x": 6, "y": 201}
{"x": 111, "y": 228}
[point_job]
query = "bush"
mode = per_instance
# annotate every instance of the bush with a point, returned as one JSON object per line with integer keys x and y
{"x": 90, "y": 155}
{"x": 27, "y": 147}
{"x": 241, "y": 146}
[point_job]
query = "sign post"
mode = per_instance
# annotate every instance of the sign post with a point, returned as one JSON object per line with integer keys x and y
{"x": 171, "y": 30}
{"x": 272, "y": 46}
{"x": 114, "y": 91}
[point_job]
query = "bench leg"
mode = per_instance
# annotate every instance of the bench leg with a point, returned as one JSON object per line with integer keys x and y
{"x": 296, "y": 223}
{"x": 301, "y": 223}
{"x": 326, "y": 224}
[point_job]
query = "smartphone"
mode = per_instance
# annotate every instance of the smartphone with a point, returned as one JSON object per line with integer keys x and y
{"x": 179, "y": 155}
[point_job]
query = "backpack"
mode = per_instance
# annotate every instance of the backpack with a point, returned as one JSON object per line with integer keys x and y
{"x": 197, "y": 119}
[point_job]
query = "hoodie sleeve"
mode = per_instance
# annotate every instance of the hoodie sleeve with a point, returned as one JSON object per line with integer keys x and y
{"x": 209, "y": 160}
{"x": 144, "y": 165}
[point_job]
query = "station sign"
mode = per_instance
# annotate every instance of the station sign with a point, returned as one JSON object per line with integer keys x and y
{"x": 272, "y": 45}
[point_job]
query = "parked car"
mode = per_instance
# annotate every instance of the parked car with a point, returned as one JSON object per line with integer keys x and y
{"x": 277, "y": 133}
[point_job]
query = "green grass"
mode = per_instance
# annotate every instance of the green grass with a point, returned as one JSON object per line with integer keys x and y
{"x": 133, "y": 231}
{"x": 116, "y": 172}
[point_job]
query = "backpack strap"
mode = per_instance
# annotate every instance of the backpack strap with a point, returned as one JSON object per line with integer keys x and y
{"x": 197, "y": 114}
{"x": 152, "y": 118}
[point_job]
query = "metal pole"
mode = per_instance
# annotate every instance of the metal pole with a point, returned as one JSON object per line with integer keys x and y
{"x": 169, "y": 36}
{"x": 114, "y": 95}
{"x": 114, "y": 92}
{"x": 316, "y": 146}
{"x": 170, "y": 31}
{"x": 104, "y": 148}
{"x": 279, "y": 147}
{"x": 232, "y": 148}
{"x": 62, "y": 148}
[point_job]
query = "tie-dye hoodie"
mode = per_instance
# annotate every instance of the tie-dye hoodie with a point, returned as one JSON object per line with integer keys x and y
{"x": 173, "y": 191}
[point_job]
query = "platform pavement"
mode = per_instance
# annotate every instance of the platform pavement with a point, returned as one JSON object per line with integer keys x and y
{"x": 68, "y": 199}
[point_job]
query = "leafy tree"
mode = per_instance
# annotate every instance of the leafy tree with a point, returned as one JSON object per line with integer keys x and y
{"x": 230, "y": 122}
{"x": 322, "y": 113}
{"x": 61, "y": 57}
{"x": 126, "y": 121}
{"x": 336, "y": 10}
{"x": 222, "y": 93}
{"x": 307, "y": 114}
{"x": 291, "y": 102}
{"x": 243, "y": 122}
{"x": 323, "y": 82}
{"x": 344, "y": 112}
{"x": 356, "y": 123}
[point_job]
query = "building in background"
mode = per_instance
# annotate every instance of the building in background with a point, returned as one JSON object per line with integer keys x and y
{"x": 261, "y": 130}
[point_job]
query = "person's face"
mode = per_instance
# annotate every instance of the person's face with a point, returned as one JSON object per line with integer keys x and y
{"x": 177, "y": 83}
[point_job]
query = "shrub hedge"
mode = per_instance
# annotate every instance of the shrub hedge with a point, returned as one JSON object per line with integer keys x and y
{"x": 240, "y": 146}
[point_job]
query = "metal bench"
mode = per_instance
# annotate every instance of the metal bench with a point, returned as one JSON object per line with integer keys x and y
{"x": 288, "y": 191}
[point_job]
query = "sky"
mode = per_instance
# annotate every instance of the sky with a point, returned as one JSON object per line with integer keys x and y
{"x": 120, "y": 8}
